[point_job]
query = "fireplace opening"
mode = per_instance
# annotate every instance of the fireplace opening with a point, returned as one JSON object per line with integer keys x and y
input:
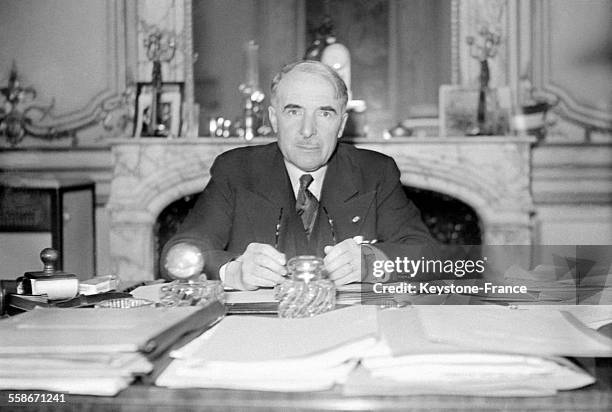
{"x": 449, "y": 220}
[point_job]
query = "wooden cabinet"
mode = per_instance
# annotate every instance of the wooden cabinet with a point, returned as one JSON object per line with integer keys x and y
{"x": 40, "y": 212}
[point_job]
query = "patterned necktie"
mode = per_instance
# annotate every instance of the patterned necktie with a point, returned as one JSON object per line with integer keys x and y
{"x": 306, "y": 204}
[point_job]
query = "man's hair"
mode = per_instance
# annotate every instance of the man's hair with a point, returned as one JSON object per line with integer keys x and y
{"x": 314, "y": 67}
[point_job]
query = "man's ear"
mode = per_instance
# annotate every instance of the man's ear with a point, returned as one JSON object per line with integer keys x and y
{"x": 273, "y": 120}
{"x": 344, "y": 118}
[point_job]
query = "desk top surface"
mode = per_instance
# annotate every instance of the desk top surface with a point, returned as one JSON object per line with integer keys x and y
{"x": 140, "y": 396}
{"x": 143, "y": 397}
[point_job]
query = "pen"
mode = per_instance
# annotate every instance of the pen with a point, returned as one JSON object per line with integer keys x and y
{"x": 331, "y": 225}
{"x": 277, "y": 231}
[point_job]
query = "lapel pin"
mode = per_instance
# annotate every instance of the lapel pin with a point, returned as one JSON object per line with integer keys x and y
{"x": 356, "y": 219}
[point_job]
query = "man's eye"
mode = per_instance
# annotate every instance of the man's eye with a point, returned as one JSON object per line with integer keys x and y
{"x": 293, "y": 112}
{"x": 325, "y": 113}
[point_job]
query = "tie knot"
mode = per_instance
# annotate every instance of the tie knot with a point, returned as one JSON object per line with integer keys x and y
{"x": 305, "y": 181}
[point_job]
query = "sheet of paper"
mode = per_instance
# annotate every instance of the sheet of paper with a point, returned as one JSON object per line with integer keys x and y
{"x": 255, "y": 296}
{"x": 257, "y": 353}
{"x": 122, "y": 364}
{"x": 593, "y": 316}
{"x": 467, "y": 374}
{"x": 502, "y": 329}
{"x": 254, "y": 339}
{"x": 181, "y": 374}
{"x": 149, "y": 292}
{"x": 77, "y": 386}
{"x": 403, "y": 333}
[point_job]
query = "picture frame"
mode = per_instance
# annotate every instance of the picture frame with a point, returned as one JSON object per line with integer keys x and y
{"x": 458, "y": 109}
{"x": 170, "y": 104}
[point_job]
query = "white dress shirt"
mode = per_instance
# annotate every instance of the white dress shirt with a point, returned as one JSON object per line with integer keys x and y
{"x": 315, "y": 186}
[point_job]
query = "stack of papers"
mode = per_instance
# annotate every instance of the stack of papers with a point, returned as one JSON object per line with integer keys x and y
{"x": 475, "y": 374}
{"x": 475, "y": 350}
{"x": 246, "y": 352}
{"x": 507, "y": 330}
{"x": 103, "y": 374}
{"x": 86, "y": 351}
{"x": 467, "y": 350}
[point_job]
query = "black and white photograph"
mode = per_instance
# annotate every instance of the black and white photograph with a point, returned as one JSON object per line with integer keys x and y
{"x": 279, "y": 205}
{"x": 459, "y": 111}
{"x": 168, "y": 110}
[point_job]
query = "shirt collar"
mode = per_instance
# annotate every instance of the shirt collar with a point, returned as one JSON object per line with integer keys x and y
{"x": 317, "y": 184}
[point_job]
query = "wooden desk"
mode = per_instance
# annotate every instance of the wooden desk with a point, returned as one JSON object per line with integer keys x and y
{"x": 142, "y": 397}
{"x": 597, "y": 397}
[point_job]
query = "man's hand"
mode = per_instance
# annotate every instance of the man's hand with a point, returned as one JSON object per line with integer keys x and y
{"x": 343, "y": 262}
{"x": 260, "y": 265}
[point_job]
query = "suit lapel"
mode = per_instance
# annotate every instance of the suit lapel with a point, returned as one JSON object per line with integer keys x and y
{"x": 340, "y": 183}
{"x": 263, "y": 198}
{"x": 270, "y": 179}
{"x": 346, "y": 204}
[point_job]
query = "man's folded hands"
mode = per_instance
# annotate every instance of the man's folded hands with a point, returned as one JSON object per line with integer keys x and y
{"x": 261, "y": 265}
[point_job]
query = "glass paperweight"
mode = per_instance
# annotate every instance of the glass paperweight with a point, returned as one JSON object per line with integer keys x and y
{"x": 307, "y": 291}
{"x": 191, "y": 292}
{"x": 184, "y": 261}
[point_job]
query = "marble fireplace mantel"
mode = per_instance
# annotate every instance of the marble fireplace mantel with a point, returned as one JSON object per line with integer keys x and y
{"x": 491, "y": 174}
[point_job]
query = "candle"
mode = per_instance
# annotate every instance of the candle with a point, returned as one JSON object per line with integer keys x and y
{"x": 252, "y": 74}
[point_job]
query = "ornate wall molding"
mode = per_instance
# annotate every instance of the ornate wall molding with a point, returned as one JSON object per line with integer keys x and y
{"x": 105, "y": 107}
{"x": 565, "y": 65}
{"x": 469, "y": 16}
{"x": 167, "y": 16}
{"x": 115, "y": 69}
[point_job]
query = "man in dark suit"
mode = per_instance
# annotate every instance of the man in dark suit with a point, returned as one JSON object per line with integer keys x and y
{"x": 304, "y": 194}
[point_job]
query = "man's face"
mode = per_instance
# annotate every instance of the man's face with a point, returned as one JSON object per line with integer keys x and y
{"x": 308, "y": 119}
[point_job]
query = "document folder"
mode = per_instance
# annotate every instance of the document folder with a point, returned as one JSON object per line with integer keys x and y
{"x": 150, "y": 330}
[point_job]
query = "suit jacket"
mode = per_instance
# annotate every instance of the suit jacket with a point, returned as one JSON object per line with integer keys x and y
{"x": 250, "y": 192}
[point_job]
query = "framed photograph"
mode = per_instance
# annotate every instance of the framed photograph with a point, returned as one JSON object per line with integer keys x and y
{"x": 169, "y": 109}
{"x": 459, "y": 111}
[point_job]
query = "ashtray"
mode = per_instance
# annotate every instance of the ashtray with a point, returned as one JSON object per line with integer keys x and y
{"x": 124, "y": 303}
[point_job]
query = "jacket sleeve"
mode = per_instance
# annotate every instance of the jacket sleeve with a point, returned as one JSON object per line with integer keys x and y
{"x": 208, "y": 224}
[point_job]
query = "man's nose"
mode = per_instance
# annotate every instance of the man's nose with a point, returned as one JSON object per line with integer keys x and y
{"x": 309, "y": 126}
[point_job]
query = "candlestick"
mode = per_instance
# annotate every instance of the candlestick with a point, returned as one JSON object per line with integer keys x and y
{"x": 252, "y": 64}
{"x": 160, "y": 47}
{"x": 482, "y": 51}
{"x": 253, "y": 96}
